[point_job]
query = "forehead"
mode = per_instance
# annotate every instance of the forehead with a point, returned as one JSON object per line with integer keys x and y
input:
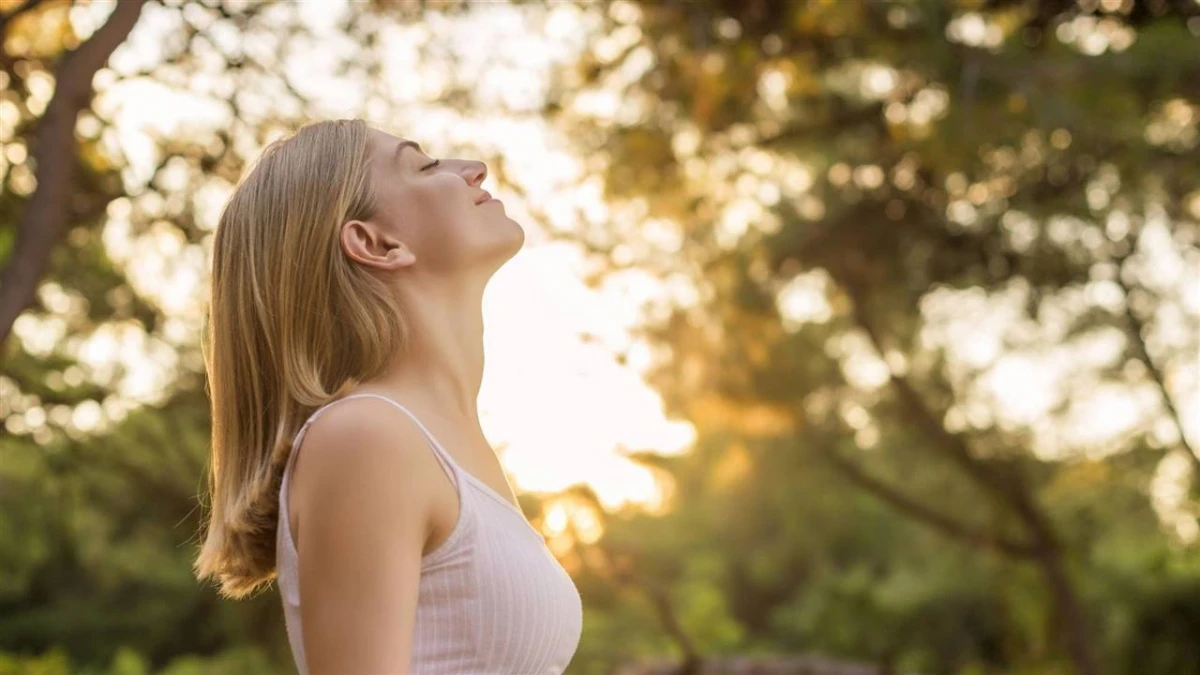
{"x": 385, "y": 145}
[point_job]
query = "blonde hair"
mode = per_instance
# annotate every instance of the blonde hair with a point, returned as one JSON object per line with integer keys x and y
{"x": 293, "y": 324}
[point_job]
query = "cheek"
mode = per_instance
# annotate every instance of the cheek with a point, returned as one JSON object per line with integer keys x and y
{"x": 448, "y": 200}
{"x": 441, "y": 211}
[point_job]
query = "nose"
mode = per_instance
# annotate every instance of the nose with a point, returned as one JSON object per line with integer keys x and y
{"x": 473, "y": 171}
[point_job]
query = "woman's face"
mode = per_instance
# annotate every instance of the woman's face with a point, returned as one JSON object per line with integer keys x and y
{"x": 436, "y": 210}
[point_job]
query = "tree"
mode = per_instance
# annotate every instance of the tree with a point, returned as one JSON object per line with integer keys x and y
{"x": 887, "y": 163}
{"x": 43, "y": 218}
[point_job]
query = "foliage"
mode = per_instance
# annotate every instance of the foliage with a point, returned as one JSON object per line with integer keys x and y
{"x": 910, "y": 169}
{"x": 945, "y": 189}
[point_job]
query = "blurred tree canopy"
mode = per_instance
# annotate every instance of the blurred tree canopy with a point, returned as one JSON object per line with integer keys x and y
{"x": 882, "y": 207}
{"x": 929, "y": 274}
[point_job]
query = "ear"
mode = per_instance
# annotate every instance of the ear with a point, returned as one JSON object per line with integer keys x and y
{"x": 365, "y": 244}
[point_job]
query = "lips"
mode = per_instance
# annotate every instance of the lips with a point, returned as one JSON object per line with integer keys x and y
{"x": 483, "y": 197}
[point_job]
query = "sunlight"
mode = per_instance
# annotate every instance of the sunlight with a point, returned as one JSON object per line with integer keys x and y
{"x": 561, "y": 408}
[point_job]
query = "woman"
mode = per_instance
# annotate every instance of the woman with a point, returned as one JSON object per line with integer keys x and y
{"x": 345, "y": 354}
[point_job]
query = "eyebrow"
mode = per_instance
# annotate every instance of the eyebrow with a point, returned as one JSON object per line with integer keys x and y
{"x": 406, "y": 144}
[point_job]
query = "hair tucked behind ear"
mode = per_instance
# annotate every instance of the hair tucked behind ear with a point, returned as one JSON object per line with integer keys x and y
{"x": 293, "y": 324}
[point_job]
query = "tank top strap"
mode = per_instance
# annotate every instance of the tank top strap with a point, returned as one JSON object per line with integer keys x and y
{"x": 448, "y": 463}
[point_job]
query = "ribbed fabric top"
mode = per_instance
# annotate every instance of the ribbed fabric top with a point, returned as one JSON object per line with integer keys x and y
{"x": 493, "y": 599}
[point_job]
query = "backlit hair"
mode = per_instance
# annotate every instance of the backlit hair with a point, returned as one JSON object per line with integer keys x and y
{"x": 293, "y": 324}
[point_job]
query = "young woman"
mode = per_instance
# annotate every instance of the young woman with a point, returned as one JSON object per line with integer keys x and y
{"x": 344, "y": 354}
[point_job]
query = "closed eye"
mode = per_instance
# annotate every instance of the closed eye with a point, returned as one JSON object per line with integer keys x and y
{"x": 431, "y": 165}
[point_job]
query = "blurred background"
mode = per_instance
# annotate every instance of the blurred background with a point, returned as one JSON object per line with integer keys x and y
{"x": 849, "y": 336}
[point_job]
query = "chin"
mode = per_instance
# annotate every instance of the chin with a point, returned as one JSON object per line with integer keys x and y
{"x": 512, "y": 228}
{"x": 508, "y": 240}
{"x": 518, "y": 238}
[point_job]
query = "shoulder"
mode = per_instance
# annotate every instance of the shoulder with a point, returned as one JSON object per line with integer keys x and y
{"x": 362, "y": 500}
{"x": 365, "y": 456}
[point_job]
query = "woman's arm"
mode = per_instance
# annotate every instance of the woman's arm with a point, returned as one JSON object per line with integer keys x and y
{"x": 362, "y": 498}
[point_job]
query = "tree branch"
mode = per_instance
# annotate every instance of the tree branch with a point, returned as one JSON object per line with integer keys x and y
{"x": 54, "y": 152}
{"x": 1005, "y": 485}
{"x": 669, "y": 618}
{"x": 658, "y": 596}
{"x": 951, "y": 445}
{"x": 1010, "y": 490}
{"x": 1136, "y": 336}
{"x": 925, "y": 514}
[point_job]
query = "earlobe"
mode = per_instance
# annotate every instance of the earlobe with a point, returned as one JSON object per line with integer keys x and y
{"x": 401, "y": 256}
{"x": 398, "y": 250}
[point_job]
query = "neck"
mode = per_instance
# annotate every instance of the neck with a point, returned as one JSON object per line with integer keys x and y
{"x": 442, "y": 364}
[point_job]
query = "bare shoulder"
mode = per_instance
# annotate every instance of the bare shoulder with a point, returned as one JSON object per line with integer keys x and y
{"x": 363, "y": 497}
{"x": 366, "y": 455}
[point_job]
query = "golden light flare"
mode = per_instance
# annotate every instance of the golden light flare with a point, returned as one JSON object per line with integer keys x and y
{"x": 753, "y": 420}
{"x": 570, "y": 524}
{"x": 732, "y": 467}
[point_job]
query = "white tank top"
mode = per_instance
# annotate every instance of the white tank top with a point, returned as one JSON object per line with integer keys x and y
{"x": 493, "y": 599}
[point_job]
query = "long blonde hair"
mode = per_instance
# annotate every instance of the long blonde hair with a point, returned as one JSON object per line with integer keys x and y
{"x": 293, "y": 324}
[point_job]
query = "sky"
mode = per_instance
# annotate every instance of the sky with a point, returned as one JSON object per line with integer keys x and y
{"x": 560, "y": 405}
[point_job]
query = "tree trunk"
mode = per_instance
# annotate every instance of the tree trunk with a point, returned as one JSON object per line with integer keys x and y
{"x": 1069, "y": 613}
{"x": 55, "y": 151}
